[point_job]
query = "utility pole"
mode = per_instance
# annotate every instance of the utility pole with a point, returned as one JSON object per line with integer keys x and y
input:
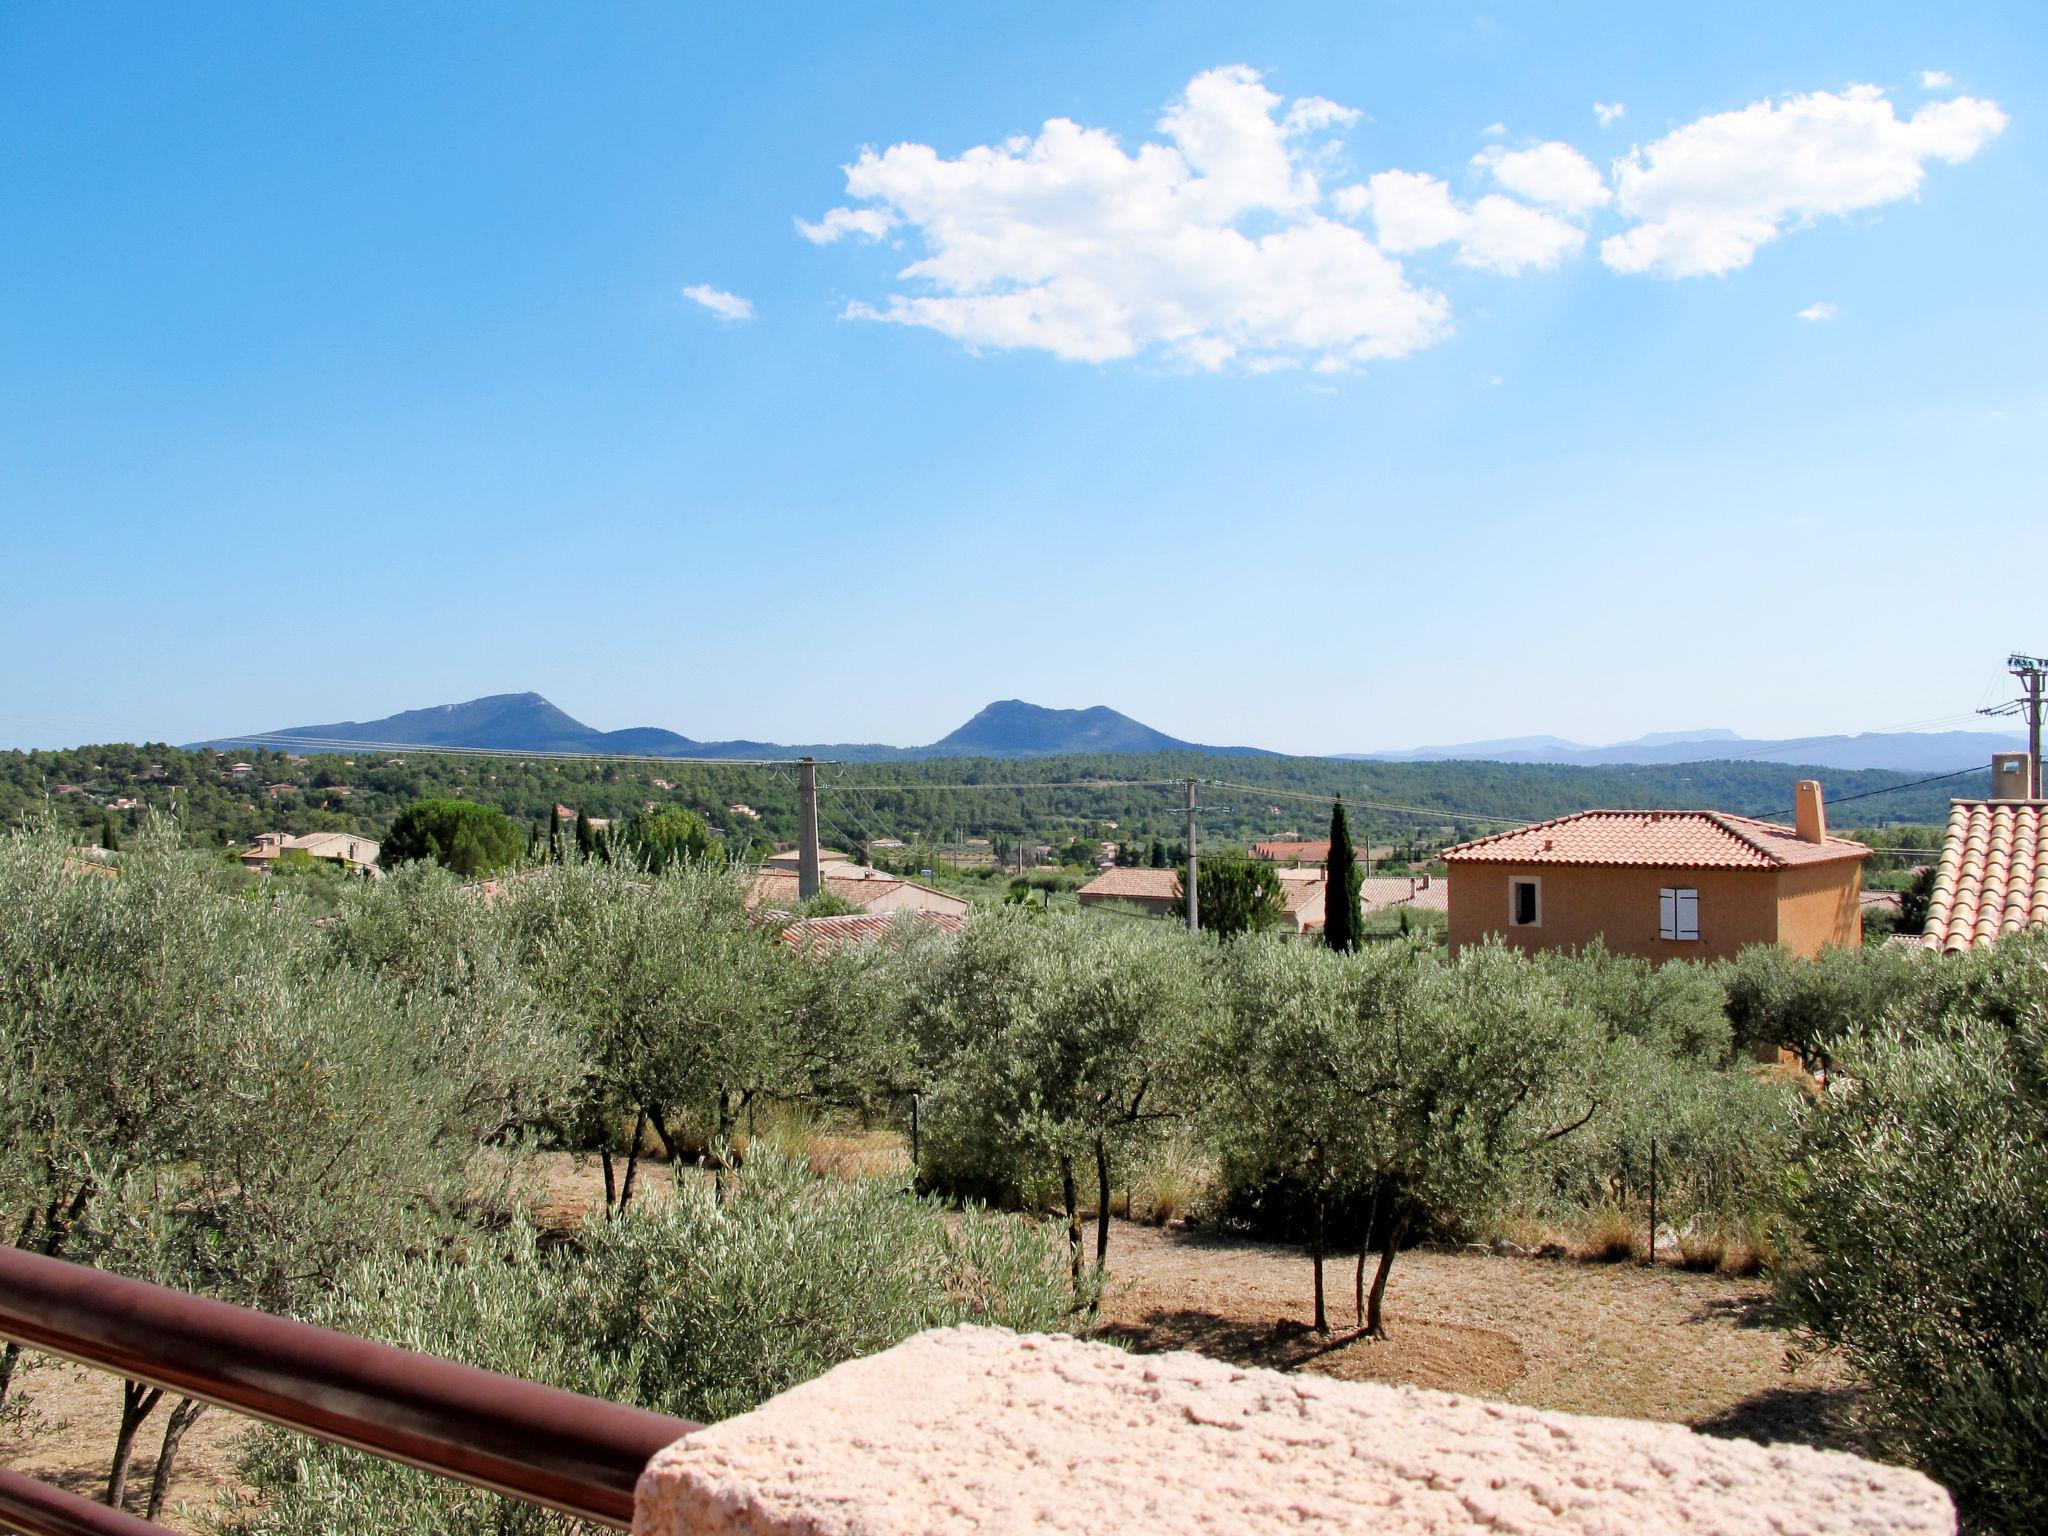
{"x": 807, "y": 828}
{"x": 1194, "y": 907}
{"x": 2030, "y": 670}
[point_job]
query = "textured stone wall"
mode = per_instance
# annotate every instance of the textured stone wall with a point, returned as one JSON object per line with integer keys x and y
{"x": 980, "y": 1430}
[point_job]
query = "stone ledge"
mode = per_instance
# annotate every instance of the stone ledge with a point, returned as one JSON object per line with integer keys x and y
{"x": 981, "y": 1430}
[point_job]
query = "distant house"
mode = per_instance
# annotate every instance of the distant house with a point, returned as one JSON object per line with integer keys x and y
{"x": 823, "y": 935}
{"x": 273, "y": 791}
{"x": 1666, "y": 885}
{"x": 1152, "y": 889}
{"x": 792, "y": 858}
{"x": 240, "y": 770}
{"x": 743, "y": 810}
{"x": 1992, "y": 878}
{"x": 344, "y": 848}
{"x": 776, "y": 890}
{"x": 1292, "y": 852}
{"x": 124, "y": 803}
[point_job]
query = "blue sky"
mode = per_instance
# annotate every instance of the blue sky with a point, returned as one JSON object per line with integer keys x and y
{"x": 1338, "y": 380}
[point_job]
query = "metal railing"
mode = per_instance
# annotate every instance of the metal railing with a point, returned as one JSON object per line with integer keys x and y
{"x": 577, "y": 1454}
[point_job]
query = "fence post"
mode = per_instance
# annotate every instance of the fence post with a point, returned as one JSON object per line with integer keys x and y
{"x": 1653, "y": 1199}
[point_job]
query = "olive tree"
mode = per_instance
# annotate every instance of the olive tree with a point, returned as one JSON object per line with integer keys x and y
{"x": 1051, "y": 1043}
{"x": 1918, "y": 1205}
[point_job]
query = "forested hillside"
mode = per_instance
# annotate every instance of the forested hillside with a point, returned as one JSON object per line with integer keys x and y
{"x": 944, "y": 800}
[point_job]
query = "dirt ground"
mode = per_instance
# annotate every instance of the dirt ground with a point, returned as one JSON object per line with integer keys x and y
{"x": 1586, "y": 1338}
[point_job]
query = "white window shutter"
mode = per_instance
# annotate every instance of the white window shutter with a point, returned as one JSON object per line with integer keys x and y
{"x": 1688, "y": 914}
{"x": 1667, "y": 913}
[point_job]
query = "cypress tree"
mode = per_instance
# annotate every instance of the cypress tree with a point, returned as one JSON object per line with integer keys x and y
{"x": 109, "y": 838}
{"x": 555, "y": 835}
{"x": 1158, "y": 859}
{"x": 1343, "y": 914}
{"x": 586, "y": 839}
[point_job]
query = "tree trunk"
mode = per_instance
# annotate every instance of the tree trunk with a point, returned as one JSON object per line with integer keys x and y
{"x": 1073, "y": 1209}
{"x": 1372, "y": 1224}
{"x": 1375, "y": 1314}
{"x": 611, "y": 1192}
{"x": 182, "y": 1418}
{"x": 632, "y": 1160}
{"x": 658, "y": 1118}
{"x": 136, "y": 1403}
{"x": 1322, "y": 1312}
{"x": 1101, "y": 1205}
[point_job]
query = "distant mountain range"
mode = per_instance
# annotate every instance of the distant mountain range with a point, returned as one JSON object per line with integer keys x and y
{"x": 526, "y": 722}
{"x": 1901, "y": 751}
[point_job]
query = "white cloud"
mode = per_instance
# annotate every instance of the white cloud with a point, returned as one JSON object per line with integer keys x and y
{"x": 1494, "y": 130}
{"x": 1608, "y": 112}
{"x": 1824, "y": 309}
{"x": 1413, "y": 212}
{"x": 1211, "y": 245}
{"x": 870, "y": 223}
{"x": 727, "y": 306}
{"x": 1553, "y": 174}
{"x": 1936, "y": 79}
{"x": 1705, "y": 197}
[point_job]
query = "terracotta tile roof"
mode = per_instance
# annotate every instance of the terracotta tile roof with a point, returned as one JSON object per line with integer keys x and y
{"x": 1305, "y": 853}
{"x": 1133, "y": 885}
{"x": 823, "y": 935}
{"x": 1383, "y": 891}
{"x": 1993, "y": 876}
{"x": 1662, "y": 839}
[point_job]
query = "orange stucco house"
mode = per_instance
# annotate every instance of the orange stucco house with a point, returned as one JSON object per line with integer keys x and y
{"x": 1666, "y": 885}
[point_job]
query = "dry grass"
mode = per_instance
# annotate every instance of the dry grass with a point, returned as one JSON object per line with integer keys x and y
{"x": 1609, "y": 1235}
{"x": 1703, "y": 1251}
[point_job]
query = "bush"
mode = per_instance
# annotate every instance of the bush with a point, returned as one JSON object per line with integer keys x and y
{"x": 1919, "y": 1208}
{"x": 703, "y": 1306}
{"x": 468, "y": 838}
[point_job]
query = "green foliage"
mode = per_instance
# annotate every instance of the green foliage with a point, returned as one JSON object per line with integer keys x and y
{"x": 1776, "y": 998}
{"x": 1920, "y": 1203}
{"x": 468, "y": 838}
{"x": 1049, "y": 1046}
{"x": 1234, "y": 895}
{"x": 701, "y": 1306}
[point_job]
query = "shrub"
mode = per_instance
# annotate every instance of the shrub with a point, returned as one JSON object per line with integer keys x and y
{"x": 468, "y": 838}
{"x": 703, "y": 1306}
{"x": 1919, "y": 1206}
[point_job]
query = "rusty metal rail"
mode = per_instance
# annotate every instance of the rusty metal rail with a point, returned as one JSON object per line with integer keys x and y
{"x": 37, "y": 1509}
{"x": 577, "y": 1454}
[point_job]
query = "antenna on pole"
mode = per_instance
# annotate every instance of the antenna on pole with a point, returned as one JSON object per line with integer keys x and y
{"x": 2030, "y": 670}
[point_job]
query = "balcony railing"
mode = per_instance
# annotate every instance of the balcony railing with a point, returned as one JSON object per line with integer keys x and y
{"x": 577, "y": 1454}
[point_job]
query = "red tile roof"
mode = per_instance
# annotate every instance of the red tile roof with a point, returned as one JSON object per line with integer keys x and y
{"x": 1662, "y": 839}
{"x": 1383, "y": 891}
{"x": 1133, "y": 885}
{"x": 1993, "y": 876}
{"x": 822, "y": 935}
{"x": 1299, "y": 852}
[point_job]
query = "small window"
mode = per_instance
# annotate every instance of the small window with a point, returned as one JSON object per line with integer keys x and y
{"x": 1678, "y": 913}
{"x": 1525, "y": 903}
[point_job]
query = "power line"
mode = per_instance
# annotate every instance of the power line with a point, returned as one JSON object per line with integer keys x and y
{"x": 1438, "y": 811}
{"x": 1889, "y": 789}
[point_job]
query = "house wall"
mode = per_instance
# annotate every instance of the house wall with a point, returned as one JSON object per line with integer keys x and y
{"x": 1821, "y": 906}
{"x": 1582, "y": 902}
{"x": 1158, "y": 906}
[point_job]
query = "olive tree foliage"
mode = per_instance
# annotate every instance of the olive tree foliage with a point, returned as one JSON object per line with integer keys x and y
{"x": 1776, "y": 998}
{"x": 198, "y": 1090}
{"x": 1051, "y": 1045}
{"x": 1919, "y": 1205}
{"x": 682, "y": 1002}
{"x": 1394, "y": 1082}
{"x": 702, "y": 1306}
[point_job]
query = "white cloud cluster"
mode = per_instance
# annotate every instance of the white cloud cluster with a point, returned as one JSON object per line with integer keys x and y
{"x": 727, "y": 306}
{"x": 1705, "y": 197}
{"x": 1216, "y": 243}
{"x": 1413, "y": 212}
{"x": 1211, "y": 244}
{"x": 1820, "y": 309}
{"x": 1936, "y": 79}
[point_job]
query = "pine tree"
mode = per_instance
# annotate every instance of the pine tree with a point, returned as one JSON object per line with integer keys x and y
{"x": 1343, "y": 913}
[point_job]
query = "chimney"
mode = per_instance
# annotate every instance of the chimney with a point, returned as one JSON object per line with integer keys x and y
{"x": 1810, "y": 820}
{"x": 2009, "y": 775}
